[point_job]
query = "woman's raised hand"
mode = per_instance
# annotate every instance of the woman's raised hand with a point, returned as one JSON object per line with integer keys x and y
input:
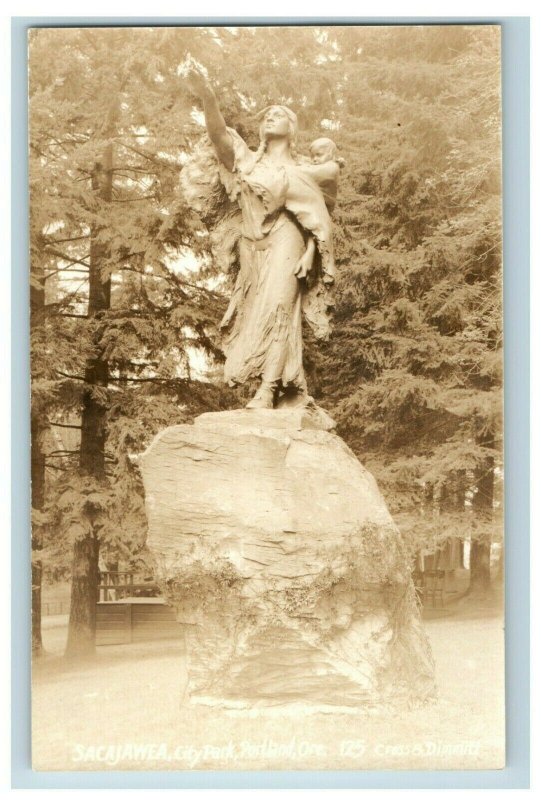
{"x": 199, "y": 84}
{"x": 197, "y": 81}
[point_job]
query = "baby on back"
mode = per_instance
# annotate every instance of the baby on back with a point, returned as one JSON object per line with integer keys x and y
{"x": 324, "y": 150}
{"x": 324, "y": 167}
{"x": 312, "y": 201}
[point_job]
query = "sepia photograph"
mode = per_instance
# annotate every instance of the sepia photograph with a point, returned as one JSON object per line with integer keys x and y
{"x": 267, "y": 471}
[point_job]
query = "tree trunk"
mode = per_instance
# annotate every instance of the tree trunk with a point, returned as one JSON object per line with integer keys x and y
{"x": 37, "y": 468}
{"x": 460, "y": 507}
{"x": 452, "y": 503}
{"x": 37, "y": 475}
{"x": 85, "y": 565}
{"x": 84, "y": 597}
{"x": 482, "y": 506}
{"x": 480, "y": 564}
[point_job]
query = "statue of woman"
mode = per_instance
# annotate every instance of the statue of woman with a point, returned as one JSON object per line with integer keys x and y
{"x": 285, "y": 250}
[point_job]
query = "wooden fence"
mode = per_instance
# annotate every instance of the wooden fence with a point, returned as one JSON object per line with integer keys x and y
{"x": 117, "y": 585}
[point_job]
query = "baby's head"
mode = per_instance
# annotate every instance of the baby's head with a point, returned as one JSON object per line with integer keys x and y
{"x": 322, "y": 150}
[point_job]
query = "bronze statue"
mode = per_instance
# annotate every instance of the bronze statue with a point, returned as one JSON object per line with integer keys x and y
{"x": 271, "y": 540}
{"x": 279, "y": 225}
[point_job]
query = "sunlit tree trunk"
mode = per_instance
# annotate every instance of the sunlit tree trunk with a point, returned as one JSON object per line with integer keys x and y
{"x": 482, "y": 506}
{"x": 85, "y": 565}
{"x": 37, "y": 470}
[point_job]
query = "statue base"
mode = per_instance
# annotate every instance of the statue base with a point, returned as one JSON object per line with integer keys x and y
{"x": 275, "y": 548}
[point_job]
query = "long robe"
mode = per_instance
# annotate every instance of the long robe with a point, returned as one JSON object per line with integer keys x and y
{"x": 281, "y": 207}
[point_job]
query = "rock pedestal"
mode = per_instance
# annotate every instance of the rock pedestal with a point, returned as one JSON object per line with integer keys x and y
{"x": 275, "y": 548}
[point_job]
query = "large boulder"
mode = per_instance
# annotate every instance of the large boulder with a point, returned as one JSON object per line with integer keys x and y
{"x": 275, "y": 548}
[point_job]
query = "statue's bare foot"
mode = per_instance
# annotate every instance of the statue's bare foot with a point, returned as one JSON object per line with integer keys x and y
{"x": 264, "y": 397}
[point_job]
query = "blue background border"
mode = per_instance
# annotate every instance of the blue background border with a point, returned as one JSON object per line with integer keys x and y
{"x": 516, "y": 180}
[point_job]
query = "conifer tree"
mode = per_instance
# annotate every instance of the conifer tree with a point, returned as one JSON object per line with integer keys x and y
{"x": 109, "y": 124}
{"x": 130, "y": 293}
{"x": 414, "y": 368}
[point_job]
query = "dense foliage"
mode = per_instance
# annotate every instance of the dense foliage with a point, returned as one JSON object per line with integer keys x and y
{"x": 413, "y": 370}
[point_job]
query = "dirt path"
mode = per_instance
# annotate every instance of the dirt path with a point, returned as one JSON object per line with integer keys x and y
{"x": 122, "y": 711}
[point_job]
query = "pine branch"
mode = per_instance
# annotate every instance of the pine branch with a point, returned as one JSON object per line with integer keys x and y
{"x": 54, "y": 272}
{"x": 170, "y": 381}
{"x": 72, "y": 377}
{"x": 135, "y": 199}
{"x": 149, "y": 156}
{"x": 67, "y": 258}
{"x": 70, "y": 239}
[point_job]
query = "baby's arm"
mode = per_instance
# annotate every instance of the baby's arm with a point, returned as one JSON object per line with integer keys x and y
{"x": 326, "y": 177}
{"x": 328, "y": 171}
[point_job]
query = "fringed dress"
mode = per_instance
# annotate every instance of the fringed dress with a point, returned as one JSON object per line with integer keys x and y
{"x": 280, "y": 208}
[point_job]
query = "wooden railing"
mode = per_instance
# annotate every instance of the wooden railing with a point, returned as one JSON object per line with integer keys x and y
{"x": 52, "y": 608}
{"x": 430, "y": 586}
{"x": 118, "y": 585}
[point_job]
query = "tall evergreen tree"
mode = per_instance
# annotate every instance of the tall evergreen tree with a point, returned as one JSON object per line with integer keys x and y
{"x": 130, "y": 292}
{"x": 109, "y": 124}
{"x": 414, "y": 369}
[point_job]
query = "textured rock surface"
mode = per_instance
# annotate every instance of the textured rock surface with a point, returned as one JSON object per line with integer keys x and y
{"x": 277, "y": 551}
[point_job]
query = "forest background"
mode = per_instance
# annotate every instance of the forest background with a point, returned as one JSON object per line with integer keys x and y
{"x": 126, "y": 295}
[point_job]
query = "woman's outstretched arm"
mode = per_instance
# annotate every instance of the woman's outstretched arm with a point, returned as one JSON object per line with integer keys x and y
{"x": 214, "y": 120}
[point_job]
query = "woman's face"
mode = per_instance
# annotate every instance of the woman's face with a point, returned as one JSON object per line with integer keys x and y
{"x": 275, "y": 123}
